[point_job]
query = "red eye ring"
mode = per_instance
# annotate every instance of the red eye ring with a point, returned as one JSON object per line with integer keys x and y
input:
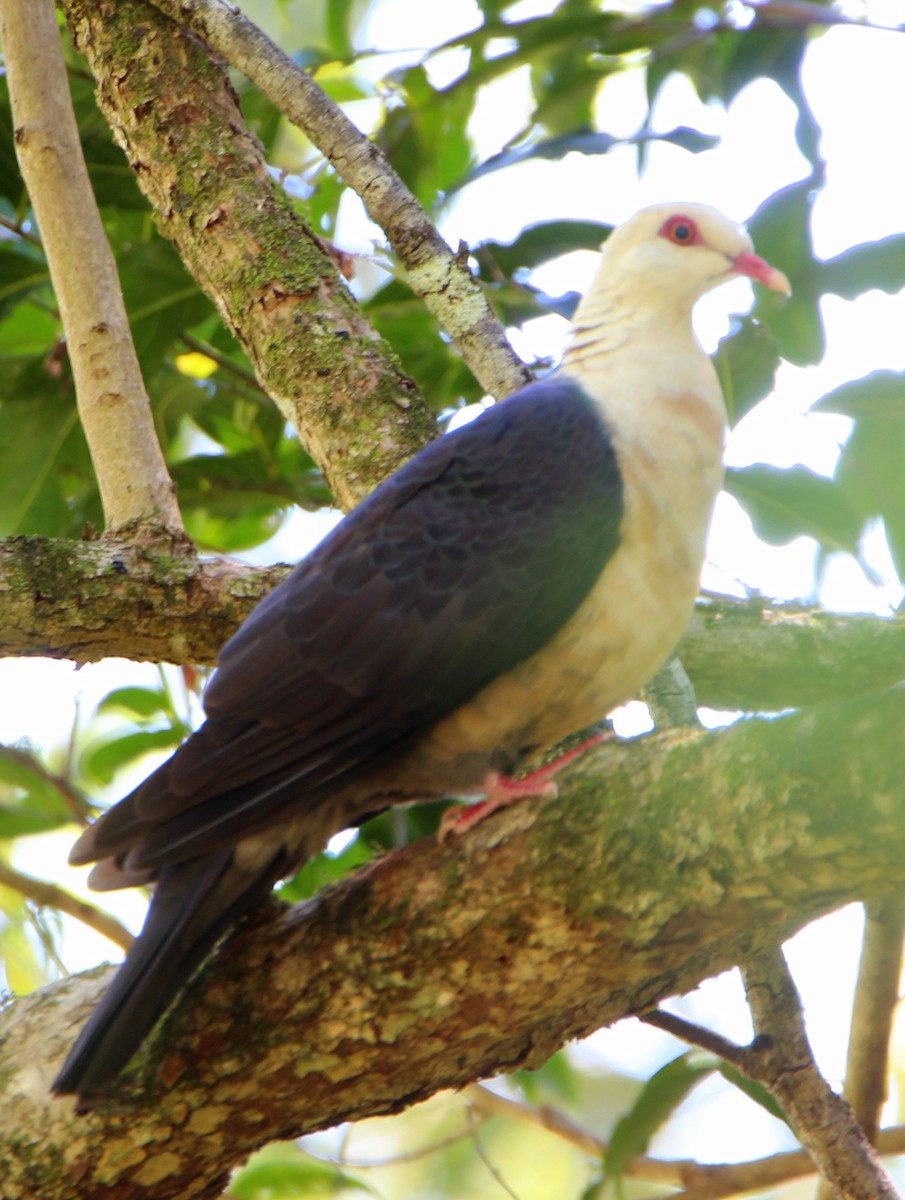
{"x": 681, "y": 230}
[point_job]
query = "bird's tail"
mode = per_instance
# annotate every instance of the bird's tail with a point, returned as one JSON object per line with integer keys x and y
{"x": 194, "y": 902}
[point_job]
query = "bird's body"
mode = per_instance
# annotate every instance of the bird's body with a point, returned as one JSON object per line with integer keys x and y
{"x": 510, "y": 585}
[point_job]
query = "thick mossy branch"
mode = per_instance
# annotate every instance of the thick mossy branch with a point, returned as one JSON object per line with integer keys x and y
{"x": 156, "y": 600}
{"x": 663, "y": 862}
{"x": 171, "y": 107}
{"x": 148, "y": 600}
{"x": 442, "y": 279}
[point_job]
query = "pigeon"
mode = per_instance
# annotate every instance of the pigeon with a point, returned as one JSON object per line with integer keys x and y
{"x": 512, "y": 583}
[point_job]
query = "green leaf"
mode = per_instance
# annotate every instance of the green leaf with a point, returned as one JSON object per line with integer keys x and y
{"x": 870, "y": 476}
{"x": 873, "y": 265}
{"x": 558, "y": 1077}
{"x": 29, "y": 802}
{"x": 326, "y": 868}
{"x": 753, "y": 1090}
{"x": 413, "y": 333}
{"x": 426, "y": 139}
{"x": 161, "y": 297}
{"x": 657, "y": 1101}
{"x": 337, "y": 16}
{"x": 540, "y": 243}
{"x": 746, "y": 361}
{"x": 781, "y": 229}
{"x": 11, "y": 186}
{"x": 140, "y": 702}
{"x": 21, "y": 272}
{"x": 796, "y": 502}
{"x": 217, "y": 528}
{"x": 880, "y": 394}
{"x": 47, "y": 483}
{"x": 588, "y": 142}
{"x": 101, "y": 761}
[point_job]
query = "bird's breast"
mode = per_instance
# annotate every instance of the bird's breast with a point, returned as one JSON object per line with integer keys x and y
{"x": 632, "y": 617}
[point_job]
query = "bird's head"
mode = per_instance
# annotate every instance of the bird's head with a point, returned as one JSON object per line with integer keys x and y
{"x": 684, "y": 250}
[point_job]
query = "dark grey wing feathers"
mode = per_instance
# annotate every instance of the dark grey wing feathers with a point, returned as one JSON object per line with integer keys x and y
{"x": 459, "y": 567}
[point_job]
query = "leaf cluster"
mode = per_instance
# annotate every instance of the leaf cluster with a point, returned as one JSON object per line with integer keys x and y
{"x": 239, "y": 469}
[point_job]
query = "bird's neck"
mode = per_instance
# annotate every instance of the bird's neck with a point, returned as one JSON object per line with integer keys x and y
{"x": 637, "y": 357}
{"x": 613, "y": 318}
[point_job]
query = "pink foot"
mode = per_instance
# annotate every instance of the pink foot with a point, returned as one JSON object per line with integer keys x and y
{"x": 500, "y": 790}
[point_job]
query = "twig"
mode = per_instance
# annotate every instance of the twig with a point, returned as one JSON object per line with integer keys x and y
{"x": 394, "y": 1160}
{"x": 780, "y": 1058}
{"x": 697, "y": 1035}
{"x": 113, "y": 405}
{"x": 51, "y": 895}
{"x": 702, "y": 1181}
{"x": 198, "y": 346}
{"x": 474, "y": 1120}
{"x": 440, "y": 277}
{"x": 73, "y": 800}
{"x": 15, "y": 227}
{"x": 486, "y": 1101}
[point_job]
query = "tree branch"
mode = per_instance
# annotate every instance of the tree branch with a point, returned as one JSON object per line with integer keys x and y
{"x": 51, "y": 895}
{"x": 113, "y": 405}
{"x": 443, "y": 963}
{"x": 157, "y": 601}
{"x": 439, "y": 277}
{"x": 780, "y": 1058}
{"x": 151, "y": 600}
{"x": 876, "y": 1001}
{"x": 171, "y": 107}
{"x": 767, "y": 657}
{"x": 703, "y": 1181}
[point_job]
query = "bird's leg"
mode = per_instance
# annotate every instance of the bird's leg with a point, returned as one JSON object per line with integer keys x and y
{"x": 500, "y": 790}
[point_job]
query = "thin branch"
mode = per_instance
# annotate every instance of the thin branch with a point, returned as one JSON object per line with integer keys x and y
{"x": 113, "y": 405}
{"x": 697, "y": 1035}
{"x": 703, "y": 1181}
{"x": 481, "y": 1150}
{"x": 16, "y": 227}
{"x": 393, "y": 1160}
{"x": 780, "y": 1058}
{"x": 439, "y": 276}
{"x": 876, "y": 1001}
{"x": 73, "y": 799}
{"x": 488, "y": 1102}
{"x": 51, "y": 895}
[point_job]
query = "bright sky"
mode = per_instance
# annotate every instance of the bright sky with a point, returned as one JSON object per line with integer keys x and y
{"x": 855, "y": 80}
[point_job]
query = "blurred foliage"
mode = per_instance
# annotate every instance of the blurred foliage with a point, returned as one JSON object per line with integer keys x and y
{"x": 239, "y": 470}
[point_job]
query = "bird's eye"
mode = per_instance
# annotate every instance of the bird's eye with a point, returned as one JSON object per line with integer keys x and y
{"x": 681, "y": 230}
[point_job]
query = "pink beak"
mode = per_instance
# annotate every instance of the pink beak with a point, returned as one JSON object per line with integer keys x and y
{"x": 759, "y": 269}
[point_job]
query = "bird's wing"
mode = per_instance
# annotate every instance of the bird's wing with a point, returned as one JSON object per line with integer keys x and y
{"x": 462, "y": 565}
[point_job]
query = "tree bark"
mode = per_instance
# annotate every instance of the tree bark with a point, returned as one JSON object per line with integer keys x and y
{"x": 156, "y": 600}
{"x": 663, "y": 862}
{"x": 437, "y": 276}
{"x": 172, "y": 108}
{"x": 113, "y": 405}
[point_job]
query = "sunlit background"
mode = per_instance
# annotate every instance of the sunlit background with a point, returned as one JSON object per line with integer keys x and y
{"x": 855, "y": 82}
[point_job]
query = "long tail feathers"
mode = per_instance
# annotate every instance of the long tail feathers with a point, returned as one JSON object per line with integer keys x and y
{"x": 194, "y": 902}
